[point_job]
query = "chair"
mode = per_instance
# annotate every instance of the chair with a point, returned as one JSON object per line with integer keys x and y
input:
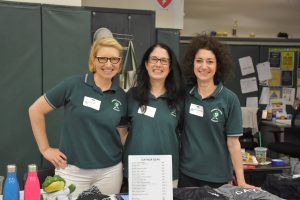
{"x": 292, "y": 147}
{"x": 247, "y": 140}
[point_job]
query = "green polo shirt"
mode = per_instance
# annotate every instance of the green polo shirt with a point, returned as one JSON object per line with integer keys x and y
{"x": 207, "y": 124}
{"x": 154, "y": 132}
{"x": 89, "y": 137}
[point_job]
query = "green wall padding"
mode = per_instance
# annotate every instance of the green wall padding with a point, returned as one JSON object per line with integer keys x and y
{"x": 20, "y": 83}
{"x": 66, "y": 45}
{"x": 169, "y": 37}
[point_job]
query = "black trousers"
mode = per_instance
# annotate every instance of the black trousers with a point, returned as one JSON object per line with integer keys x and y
{"x": 187, "y": 181}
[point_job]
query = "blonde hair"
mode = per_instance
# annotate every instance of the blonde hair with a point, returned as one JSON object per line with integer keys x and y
{"x": 99, "y": 43}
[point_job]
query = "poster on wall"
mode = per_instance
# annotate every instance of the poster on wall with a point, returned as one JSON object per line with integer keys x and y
{"x": 287, "y": 60}
{"x": 275, "y": 93}
{"x": 287, "y": 78}
{"x": 274, "y": 59}
{"x": 276, "y": 78}
{"x": 288, "y": 95}
{"x": 277, "y": 105}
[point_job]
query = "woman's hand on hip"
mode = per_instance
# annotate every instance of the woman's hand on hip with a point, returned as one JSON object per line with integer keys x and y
{"x": 56, "y": 157}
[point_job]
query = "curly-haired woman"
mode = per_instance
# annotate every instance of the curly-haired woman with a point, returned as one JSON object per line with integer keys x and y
{"x": 212, "y": 119}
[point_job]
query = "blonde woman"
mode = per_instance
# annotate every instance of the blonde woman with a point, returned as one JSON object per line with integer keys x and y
{"x": 90, "y": 146}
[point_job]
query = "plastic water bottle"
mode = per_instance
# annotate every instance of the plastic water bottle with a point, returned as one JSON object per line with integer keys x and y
{"x": 32, "y": 185}
{"x": 11, "y": 190}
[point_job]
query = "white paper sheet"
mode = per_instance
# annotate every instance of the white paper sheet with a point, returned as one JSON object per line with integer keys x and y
{"x": 248, "y": 85}
{"x": 288, "y": 95}
{"x": 263, "y": 71}
{"x": 249, "y": 116}
{"x": 252, "y": 102}
{"x": 246, "y": 65}
{"x": 264, "y": 97}
{"x": 150, "y": 177}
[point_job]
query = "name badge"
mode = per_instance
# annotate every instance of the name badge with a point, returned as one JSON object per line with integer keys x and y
{"x": 196, "y": 110}
{"x": 91, "y": 103}
{"x": 150, "y": 111}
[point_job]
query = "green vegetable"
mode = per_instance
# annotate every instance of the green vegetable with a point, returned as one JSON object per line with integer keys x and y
{"x": 72, "y": 188}
{"x": 53, "y": 184}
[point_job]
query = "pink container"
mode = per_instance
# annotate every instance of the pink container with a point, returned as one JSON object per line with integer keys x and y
{"x": 32, "y": 185}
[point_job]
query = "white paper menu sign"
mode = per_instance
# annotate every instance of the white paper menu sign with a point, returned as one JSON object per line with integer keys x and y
{"x": 150, "y": 177}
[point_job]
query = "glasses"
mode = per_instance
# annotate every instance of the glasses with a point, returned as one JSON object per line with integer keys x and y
{"x": 163, "y": 61}
{"x": 113, "y": 60}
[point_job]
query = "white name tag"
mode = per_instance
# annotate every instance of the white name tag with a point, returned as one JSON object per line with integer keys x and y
{"x": 149, "y": 112}
{"x": 196, "y": 110}
{"x": 92, "y": 103}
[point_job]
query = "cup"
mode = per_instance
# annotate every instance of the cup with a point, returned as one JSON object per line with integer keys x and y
{"x": 1, "y": 183}
{"x": 261, "y": 154}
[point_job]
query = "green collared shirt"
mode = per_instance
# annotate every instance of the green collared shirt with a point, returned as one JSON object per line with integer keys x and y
{"x": 152, "y": 132}
{"x": 89, "y": 137}
{"x": 207, "y": 124}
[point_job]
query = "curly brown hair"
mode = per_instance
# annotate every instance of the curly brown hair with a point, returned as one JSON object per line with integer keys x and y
{"x": 224, "y": 59}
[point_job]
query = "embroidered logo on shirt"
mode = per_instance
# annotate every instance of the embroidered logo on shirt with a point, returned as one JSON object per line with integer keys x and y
{"x": 116, "y": 104}
{"x": 216, "y": 113}
{"x": 173, "y": 112}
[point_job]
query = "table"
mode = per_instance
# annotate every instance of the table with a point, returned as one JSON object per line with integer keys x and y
{"x": 277, "y": 124}
{"x": 258, "y": 175}
{"x": 124, "y": 196}
{"x": 21, "y": 195}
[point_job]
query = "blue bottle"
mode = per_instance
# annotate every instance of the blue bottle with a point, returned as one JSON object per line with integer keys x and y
{"x": 11, "y": 190}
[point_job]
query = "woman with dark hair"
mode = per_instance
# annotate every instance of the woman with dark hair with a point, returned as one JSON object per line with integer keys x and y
{"x": 154, "y": 107}
{"x": 212, "y": 119}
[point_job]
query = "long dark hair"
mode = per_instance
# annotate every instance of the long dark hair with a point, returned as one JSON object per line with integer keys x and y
{"x": 173, "y": 83}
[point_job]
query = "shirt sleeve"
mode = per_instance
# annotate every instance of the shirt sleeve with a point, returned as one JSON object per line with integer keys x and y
{"x": 233, "y": 125}
{"x": 57, "y": 96}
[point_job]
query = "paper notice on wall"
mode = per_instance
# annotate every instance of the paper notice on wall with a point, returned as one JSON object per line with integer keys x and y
{"x": 263, "y": 71}
{"x": 248, "y": 85}
{"x": 288, "y": 95}
{"x": 150, "y": 177}
{"x": 252, "y": 102}
{"x": 246, "y": 65}
{"x": 264, "y": 97}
